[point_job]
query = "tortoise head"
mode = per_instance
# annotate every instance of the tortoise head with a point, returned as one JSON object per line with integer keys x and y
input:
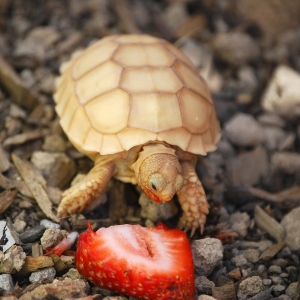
{"x": 158, "y": 172}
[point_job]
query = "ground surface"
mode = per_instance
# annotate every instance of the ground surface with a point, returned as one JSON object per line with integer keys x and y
{"x": 249, "y": 52}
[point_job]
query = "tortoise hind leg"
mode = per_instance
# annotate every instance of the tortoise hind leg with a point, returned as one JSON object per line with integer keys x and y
{"x": 80, "y": 195}
{"x": 192, "y": 199}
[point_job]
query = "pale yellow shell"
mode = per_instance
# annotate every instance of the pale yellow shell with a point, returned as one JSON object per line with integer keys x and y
{"x": 127, "y": 90}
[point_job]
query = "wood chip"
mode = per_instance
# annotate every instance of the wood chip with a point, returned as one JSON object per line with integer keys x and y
{"x": 5, "y": 183}
{"x": 33, "y": 264}
{"x": 59, "y": 265}
{"x": 271, "y": 251}
{"x": 122, "y": 10}
{"x": 224, "y": 292}
{"x": 22, "y": 138}
{"x": 287, "y": 199}
{"x": 4, "y": 162}
{"x": 36, "y": 250}
{"x": 12, "y": 83}
{"x": 36, "y": 185}
{"x": 191, "y": 27}
{"x": 6, "y": 199}
{"x": 266, "y": 223}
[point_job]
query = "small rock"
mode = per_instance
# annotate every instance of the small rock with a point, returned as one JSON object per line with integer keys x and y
{"x": 274, "y": 137}
{"x": 73, "y": 274}
{"x": 54, "y": 143}
{"x": 292, "y": 289}
{"x": 39, "y": 276}
{"x": 283, "y": 297}
{"x": 205, "y": 297}
{"x": 57, "y": 168}
{"x": 31, "y": 51}
{"x": 6, "y": 283}
{"x": 61, "y": 289}
{"x": 192, "y": 49}
{"x": 239, "y": 261}
{"x": 235, "y": 48}
{"x": 252, "y": 255}
{"x": 203, "y": 285}
{"x": 271, "y": 119}
{"x": 278, "y": 289}
{"x": 116, "y": 298}
{"x": 250, "y": 287}
{"x": 282, "y": 96}
{"x": 32, "y": 235}
{"x": 51, "y": 237}
{"x": 12, "y": 260}
{"x": 244, "y": 131}
{"x": 267, "y": 282}
{"x": 156, "y": 211}
{"x": 291, "y": 225}
{"x": 247, "y": 168}
{"x": 239, "y": 222}
{"x": 276, "y": 280}
{"x": 49, "y": 224}
{"x": 274, "y": 269}
{"x": 286, "y": 162}
{"x": 207, "y": 254}
{"x": 19, "y": 225}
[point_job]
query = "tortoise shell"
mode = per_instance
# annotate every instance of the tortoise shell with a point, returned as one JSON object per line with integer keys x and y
{"x": 128, "y": 90}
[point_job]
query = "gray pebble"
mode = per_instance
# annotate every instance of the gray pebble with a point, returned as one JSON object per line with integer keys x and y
{"x": 250, "y": 287}
{"x": 267, "y": 282}
{"x": 256, "y": 163}
{"x": 207, "y": 254}
{"x": 239, "y": 261}
{"x": 32, "y": 235}
{"x": 235, "y": 48}
{"x": 276, "y": 280}
{"x": 205, "y": 297}
{"x": 49, "y": 224}
{"x": 261, "y": 268}
{"x": 252, "y": 255}
{"x": 283, "y": 297}
{"x": 38, "y": 276}
{"x": 274, "y": 269}
{"x": 203, "y": 285}
{"x": 239, "y": 222}
{"x": 278, "y": 289}
{"x": 286, "y": 162}
{"x": 263, "y": 295}
{"x": 6, "y": 282}
{"x": 244, "y": 131}
{"x": 274, "y": 137}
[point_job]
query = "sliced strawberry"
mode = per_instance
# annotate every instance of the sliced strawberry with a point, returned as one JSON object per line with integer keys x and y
{"x": 146, "y": 263}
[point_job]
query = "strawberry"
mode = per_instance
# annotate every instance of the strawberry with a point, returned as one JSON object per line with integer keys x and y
{"x": 145, "y": 263}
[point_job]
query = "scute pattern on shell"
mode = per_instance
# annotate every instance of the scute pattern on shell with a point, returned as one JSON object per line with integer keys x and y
{"x": 127, "y": 90}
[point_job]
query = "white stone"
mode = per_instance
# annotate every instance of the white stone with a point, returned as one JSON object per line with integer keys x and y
{"x": 282, "y": 96}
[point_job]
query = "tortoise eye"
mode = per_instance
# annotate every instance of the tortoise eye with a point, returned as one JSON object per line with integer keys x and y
{"x": 153, "y": 186}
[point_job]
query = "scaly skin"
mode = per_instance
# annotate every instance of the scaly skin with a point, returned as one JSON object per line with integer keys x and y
{"x": 80, "y": 195}
{"x": 192, "y": 199}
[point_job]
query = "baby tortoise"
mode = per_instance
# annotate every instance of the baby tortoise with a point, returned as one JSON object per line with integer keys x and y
{"x": 138, "y": 108}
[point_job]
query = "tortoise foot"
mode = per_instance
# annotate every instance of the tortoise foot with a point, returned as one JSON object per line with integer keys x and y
{"x": 193, "y": 201}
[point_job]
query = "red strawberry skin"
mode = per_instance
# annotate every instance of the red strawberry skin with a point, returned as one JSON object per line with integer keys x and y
{"x": 145, "y": 263}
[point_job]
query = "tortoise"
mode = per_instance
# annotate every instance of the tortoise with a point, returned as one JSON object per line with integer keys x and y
{"x": 137, "y": 106}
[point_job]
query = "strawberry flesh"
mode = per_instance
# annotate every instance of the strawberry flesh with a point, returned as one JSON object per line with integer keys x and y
{"x": 146, "y": 263}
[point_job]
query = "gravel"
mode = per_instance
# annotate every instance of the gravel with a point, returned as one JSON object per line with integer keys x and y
{"x": 248, "y": 50}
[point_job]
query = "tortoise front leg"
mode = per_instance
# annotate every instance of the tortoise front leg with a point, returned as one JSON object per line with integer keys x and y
{"x": 192, "y": 199}
{"x": 80, "y": 195}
